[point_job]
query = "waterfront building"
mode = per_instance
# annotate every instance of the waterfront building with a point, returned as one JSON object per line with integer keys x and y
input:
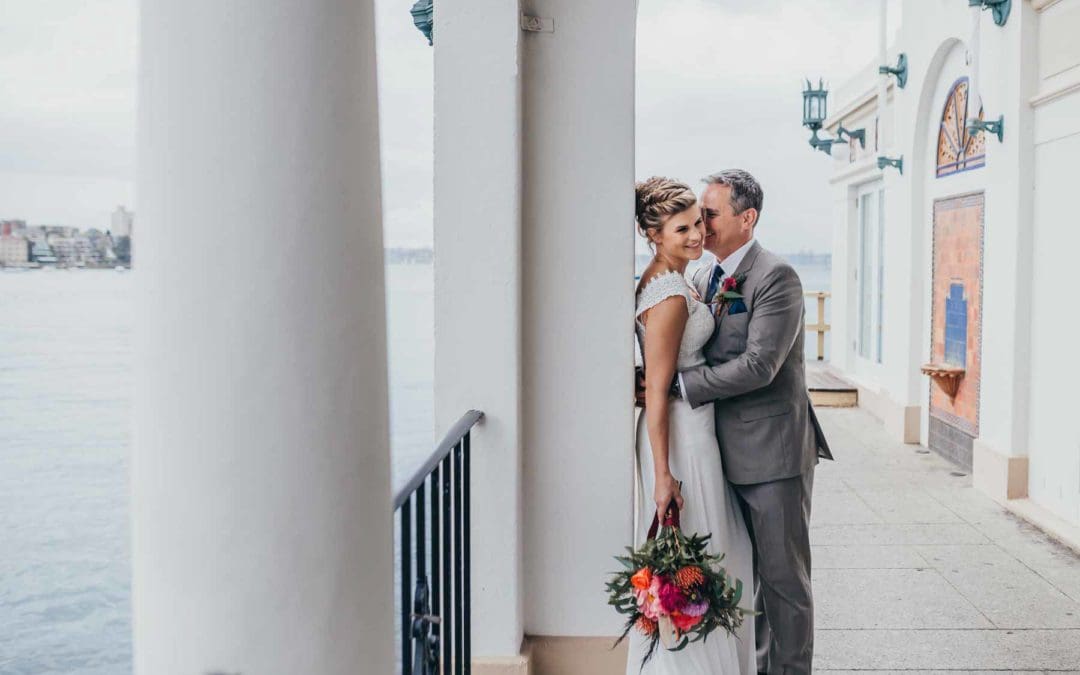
{"x": 41, "y": 252}
{"x": 121, "y": 221}
{"x": 14, "y": 250}
{"x": 10, "y": 227}
{"x": 954, "y": 244}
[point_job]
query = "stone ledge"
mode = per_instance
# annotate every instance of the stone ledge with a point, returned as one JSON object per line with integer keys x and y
{"x": 1056, "y": 527}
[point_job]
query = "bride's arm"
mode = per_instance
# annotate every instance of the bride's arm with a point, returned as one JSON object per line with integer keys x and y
{"x": 664, "y": 325}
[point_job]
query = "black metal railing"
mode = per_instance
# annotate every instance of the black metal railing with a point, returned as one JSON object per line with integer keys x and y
{"x": 433, "y": 508}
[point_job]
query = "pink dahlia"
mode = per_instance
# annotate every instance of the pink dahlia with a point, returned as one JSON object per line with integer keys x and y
{"x": 649, "y": 600}
{"x": 671, "y": 597}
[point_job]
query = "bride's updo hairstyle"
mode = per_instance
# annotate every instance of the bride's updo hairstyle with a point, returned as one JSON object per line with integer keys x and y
{"x": 658, "y": 198}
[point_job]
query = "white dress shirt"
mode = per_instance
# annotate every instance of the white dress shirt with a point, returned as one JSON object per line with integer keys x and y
{"x": 729, "y": 265}
{"x": 732, "y": 262}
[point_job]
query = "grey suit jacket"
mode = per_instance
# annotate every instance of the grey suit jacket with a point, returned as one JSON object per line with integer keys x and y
{"x": 756, "y": 375}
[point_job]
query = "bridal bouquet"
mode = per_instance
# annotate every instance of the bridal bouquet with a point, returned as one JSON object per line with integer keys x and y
{"x": 675, "y": 592}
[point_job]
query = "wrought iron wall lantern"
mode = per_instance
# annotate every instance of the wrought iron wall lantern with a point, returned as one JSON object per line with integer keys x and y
{"x": 1000, "y": 8}
{"x": 895, "y": 162}
{"x": 900, "y": 71}
{"x": 815, "y": 110}
{"x": 996, "y": 127}
{"x": 423, "y": 17}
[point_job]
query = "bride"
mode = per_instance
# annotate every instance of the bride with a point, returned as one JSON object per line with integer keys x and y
{"x": 678, "y": 460}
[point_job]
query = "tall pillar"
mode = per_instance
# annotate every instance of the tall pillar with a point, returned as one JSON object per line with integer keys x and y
{"x": 478, "y": 310}
{"x": 260, "y": 472}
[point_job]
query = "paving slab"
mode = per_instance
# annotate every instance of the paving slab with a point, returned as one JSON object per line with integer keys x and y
{"x": 907, "y": 534}
{"x": 901, "y": 598}
{"x": 843, "y": 508}
{"x": 867, "y": 557}
{"x": 912, "y": 505}
{"x": 1006, "y": 591}
{"x": 987, "y": 649}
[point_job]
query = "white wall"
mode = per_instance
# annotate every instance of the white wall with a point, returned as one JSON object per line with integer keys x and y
{"x": 577, "y": 253}
{"x": 1054, "y": 436}
{"x": 261, "y": 511}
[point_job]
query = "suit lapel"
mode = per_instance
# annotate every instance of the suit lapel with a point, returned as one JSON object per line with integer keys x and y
{"x": 743, "y": 268}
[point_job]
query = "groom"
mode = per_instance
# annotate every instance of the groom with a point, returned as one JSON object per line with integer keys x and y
{"x": 768, "y": 434}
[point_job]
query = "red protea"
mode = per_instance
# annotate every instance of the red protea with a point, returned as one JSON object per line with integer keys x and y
{"x": 689, "y": 577}
{"x": 646, "y": 625}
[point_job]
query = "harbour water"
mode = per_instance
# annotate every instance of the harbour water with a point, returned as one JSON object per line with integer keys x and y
{"x": 65, "y": 395}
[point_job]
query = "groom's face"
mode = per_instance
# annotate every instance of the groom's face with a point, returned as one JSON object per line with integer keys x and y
{"x": 725, "y": 230}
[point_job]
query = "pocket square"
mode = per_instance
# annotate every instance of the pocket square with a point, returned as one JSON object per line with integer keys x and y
{"x": 737, "y": 306}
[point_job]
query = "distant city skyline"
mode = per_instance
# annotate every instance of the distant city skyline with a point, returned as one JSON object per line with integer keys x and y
{"x": 712, "y": 93}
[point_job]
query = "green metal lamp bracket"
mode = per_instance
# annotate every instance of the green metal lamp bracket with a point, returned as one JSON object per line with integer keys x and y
{"x": 996, "y": 127}
{"x": 897, "y": 163}
{"x": 1000, "y": 8}
{"x": 859, "y": 134}
{"x": 900, "y": 71}
{"x": 822, "y": 144}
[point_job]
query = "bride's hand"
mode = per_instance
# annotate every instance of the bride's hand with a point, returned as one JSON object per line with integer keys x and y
{"x": 666, "y": 493}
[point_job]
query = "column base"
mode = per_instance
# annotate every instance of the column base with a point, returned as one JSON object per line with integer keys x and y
{"x": 999, "y": 476}
{"x": 503, "y": 665}
{"x": 901, "y": 422}
{"x": 558, "y": 655}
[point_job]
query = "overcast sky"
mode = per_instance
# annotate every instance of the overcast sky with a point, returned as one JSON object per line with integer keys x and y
{"x": 719, "y": 85}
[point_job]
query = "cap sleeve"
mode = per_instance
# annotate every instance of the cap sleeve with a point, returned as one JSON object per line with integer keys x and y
{"x": 660, "y": 288}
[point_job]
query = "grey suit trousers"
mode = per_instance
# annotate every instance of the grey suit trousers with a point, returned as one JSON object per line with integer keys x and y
{"x": 778, "y": 516}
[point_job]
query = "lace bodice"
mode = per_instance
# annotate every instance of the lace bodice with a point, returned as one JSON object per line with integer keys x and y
{"x": 699, "y": 326}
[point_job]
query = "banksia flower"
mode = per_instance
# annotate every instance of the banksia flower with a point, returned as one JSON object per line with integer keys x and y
{"x": 689, "y": 577}
{"x": 646, "y": 625}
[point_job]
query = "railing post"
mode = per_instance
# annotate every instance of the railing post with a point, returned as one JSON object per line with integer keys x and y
{"x": 821, "y": 325}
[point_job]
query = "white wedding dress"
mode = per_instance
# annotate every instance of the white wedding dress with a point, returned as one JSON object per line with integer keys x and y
{"x": 709, "y": 504}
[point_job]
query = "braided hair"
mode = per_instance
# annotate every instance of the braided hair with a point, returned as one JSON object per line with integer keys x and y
{"x": 658, "y": 198}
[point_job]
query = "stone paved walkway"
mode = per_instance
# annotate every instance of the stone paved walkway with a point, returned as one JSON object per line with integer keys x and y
{"x": 916, "y": 571}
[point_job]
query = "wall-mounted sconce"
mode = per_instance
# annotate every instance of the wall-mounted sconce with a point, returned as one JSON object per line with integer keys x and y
{"x": 1000, "y": 8}
{"x": 900, "y": 71}
{"x": 815, "y": 110}
{"x": 996, "y": 127}
{"x": 897, "y": 163}
{"x": 423, "y": 17}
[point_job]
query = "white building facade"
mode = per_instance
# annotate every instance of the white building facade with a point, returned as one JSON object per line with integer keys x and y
{"x": 121, "y": 222}
{"x": 958, "y": 264}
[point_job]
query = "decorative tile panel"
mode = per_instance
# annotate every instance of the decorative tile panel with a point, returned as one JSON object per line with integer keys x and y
{"x": 956, "y": 324}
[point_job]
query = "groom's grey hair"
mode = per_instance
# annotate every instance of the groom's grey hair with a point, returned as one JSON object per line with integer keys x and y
{"x": 746, "y": 192}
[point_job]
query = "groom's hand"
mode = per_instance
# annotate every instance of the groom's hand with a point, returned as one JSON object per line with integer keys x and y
{"x": 639, "y": 388}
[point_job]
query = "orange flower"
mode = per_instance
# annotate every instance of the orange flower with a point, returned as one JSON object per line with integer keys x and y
{"x": 688, "y": 577}
{"x": 646, "y": 625}
{"x": 642, "y": 579}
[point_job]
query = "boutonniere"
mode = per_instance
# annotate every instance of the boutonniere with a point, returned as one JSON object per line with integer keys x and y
{"x": 731, "y": 293}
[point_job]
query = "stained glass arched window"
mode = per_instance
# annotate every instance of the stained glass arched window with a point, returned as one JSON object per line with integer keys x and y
{"x": 957, "y": 150}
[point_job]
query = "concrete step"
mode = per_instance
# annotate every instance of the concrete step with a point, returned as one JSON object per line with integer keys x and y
{"x": 828, "y": 389}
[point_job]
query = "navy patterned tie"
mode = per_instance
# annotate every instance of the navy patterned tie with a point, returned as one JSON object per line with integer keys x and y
{"x": 714, "y": 284}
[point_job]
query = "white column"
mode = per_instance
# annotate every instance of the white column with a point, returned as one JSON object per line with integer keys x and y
{"x": 260, "y": 471}
{"x": 578, "y": 245}
{"x": 478, "y": 310}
